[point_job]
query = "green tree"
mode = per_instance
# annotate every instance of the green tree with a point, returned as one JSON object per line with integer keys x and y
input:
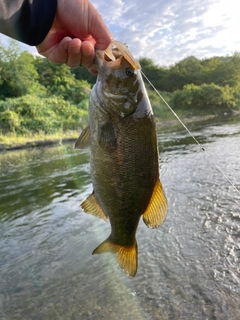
{"x": 18, "y": 75}
{"x": 157, "y": 75}
{"x": 207, "y": 97}
{"x": 31, "y": 113}
{"x": 59, "y": 81}
{"x": 222, "y": 70}
{"x": 186, "y": 71}
{"x": 9, "y": 121}
{"x": 81, "y": 73}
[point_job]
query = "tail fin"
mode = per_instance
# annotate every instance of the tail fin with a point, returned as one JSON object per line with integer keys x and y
{"x": 126, "y": 255}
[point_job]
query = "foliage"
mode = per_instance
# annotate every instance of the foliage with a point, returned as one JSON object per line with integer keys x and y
{"x": 157, "y": 75}
{"x": 35, "y": 114}
{"x": 81, "y": 73}
{"x": 208, "y": 97}
{"x": 60, "y": 81}
{"x": 218, "y": 70}
{"x": 199, "y": 84}
{"x": 39, "y": 96}
{"x": 18, "y": 75}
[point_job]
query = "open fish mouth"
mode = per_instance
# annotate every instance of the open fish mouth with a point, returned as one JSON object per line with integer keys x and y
{"x": 117, "y": 49}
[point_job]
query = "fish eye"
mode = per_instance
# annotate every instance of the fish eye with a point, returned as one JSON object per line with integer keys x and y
{"x": 129, "y": 72}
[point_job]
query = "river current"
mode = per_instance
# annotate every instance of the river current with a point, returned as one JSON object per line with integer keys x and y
{"x": 187, "y": 269}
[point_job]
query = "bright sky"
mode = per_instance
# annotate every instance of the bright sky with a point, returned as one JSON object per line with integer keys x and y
{"x": 170, "y": 30}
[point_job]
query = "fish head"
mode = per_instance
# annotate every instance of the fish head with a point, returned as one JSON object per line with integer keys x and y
{"x": 119, "y": 78}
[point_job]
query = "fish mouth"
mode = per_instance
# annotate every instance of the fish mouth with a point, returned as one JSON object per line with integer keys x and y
{"x": 113, "y": 55}
{"x": 124, "y": 51}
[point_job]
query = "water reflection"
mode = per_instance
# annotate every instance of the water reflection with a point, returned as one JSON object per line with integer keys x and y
{"x": 188, "y": 269}
{"x": 42, "y": 174}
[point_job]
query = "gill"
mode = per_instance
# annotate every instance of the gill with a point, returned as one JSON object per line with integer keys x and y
{"x": 194, "y": 138}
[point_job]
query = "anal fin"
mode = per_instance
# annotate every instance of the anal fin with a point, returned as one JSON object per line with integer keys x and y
{"x": 126, "y": 255}
{"x": 90, "y": 205}
{"x": 156, "y": 211}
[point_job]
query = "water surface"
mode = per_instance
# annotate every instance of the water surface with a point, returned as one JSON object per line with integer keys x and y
{"x": 188, "y": 268}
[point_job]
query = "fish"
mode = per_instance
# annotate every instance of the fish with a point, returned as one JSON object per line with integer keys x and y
{"x": 124, "y": 162}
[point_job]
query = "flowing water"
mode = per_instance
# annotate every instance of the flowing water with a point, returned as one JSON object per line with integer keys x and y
{"x": 188, "y": 269}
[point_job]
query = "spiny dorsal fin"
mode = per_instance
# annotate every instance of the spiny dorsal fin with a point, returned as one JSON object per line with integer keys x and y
{"x": 156, "y": 211}
{"x": 90, "y": 205}
{"x": 126, "y": 255}
{"x": 83, "y": 141}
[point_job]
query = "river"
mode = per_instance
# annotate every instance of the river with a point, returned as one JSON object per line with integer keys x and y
{"x": 188, "y": 268}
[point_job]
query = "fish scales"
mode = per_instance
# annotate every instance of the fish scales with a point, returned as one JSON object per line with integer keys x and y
{"x": 125, "y": 177}
{"x": 124, "y": 162}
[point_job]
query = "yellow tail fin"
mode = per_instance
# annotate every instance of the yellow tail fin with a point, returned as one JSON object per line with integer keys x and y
{"x": 126, "y": 255}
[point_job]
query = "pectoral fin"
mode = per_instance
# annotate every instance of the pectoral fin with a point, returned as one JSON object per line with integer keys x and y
{"x": 156, "y": 211}
{"x": 126, "y": 255}
{"x": 107, "y": 138}
{"x": 83, "y": 140}
{"x": 90, "y": 205}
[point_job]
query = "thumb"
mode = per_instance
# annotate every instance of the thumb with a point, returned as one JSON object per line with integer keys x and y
{"x": 98, "y": 29}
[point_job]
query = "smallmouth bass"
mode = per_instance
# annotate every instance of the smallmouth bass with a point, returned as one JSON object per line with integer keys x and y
{"x": 124, "y": 160}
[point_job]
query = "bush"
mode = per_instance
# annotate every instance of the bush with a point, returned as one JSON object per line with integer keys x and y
{"x": 9, "y": 121}
{"x": 205, "y": 97}
{"x": 35, "y": 114}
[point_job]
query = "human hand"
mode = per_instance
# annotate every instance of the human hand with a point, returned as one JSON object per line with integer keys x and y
{"x": 77, "y": 29}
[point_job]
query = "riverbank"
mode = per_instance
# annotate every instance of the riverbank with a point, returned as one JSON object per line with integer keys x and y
{"x": 171, "y": 123}
{"x": 13, "y": 142}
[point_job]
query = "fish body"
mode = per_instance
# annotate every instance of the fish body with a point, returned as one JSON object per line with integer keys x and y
{"x": 123, "y": 157}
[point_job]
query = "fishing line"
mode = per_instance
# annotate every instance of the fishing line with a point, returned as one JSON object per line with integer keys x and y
{"x": 194, "y": 138}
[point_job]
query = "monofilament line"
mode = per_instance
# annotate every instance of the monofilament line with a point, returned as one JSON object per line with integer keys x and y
{"x": 194, "y": 138}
